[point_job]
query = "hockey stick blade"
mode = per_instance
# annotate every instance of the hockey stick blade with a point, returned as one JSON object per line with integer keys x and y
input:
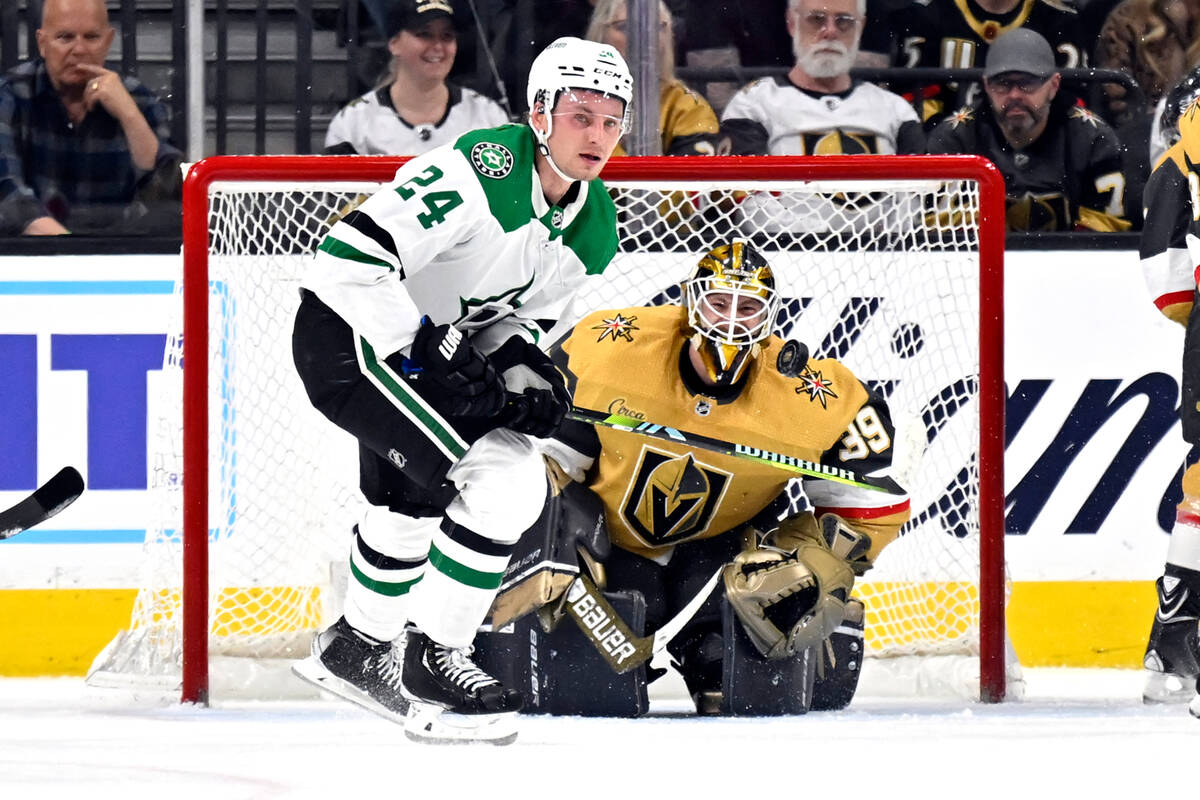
{"x": 768, "y": 458}
{"x": 46, "y": 501}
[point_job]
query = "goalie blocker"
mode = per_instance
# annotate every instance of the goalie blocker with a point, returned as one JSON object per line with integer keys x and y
{"x": 559, "y": 669}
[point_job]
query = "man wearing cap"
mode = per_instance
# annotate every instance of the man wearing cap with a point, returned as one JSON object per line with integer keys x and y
{"x": 1061, "y": 163}
{"x": 417, "y": 108}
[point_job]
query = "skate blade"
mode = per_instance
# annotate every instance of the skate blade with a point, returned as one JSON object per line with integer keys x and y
{"x": 1163, "y": 687}
{"x": 313, "y": 671}
{"x": 432, "y": 724}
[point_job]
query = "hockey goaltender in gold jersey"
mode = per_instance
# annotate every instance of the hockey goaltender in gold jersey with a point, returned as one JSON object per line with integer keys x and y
{"x": 767, "y": 638}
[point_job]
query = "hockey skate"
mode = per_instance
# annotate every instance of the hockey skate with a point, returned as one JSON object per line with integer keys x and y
{"x": 357, "y": 668}
{"x": 1172, "y": 658}
{"x": 453, "y": 700}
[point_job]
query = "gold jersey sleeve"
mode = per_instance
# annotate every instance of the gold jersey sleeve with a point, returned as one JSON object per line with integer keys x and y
{"x": 658, "y": 494}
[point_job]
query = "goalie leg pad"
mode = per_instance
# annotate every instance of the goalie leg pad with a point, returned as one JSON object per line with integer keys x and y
{"x": 560, "y": 672}
{"x": 841, "y": 662}
{"x": 752, "y": 685}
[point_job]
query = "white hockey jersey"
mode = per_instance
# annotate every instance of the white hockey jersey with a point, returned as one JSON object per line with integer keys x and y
{"x": 864, "y": 119}
{"x": 464, "y": 235}
{"x": 370, "y": 125}
{"x": 773, "y": 116}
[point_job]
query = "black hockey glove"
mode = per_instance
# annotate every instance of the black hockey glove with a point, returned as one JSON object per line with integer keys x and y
{"x": 543, "y": 400}
{"x": 537, "y": 412}
{"x": 462, "y": 381}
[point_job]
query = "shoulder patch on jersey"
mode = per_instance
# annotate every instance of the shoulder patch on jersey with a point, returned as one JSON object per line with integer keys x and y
{"x": 1079, "y": 112}
{"x": 961, "y": 117}
{"x": 491, "y": 159}
{"x": 618, "y": 327}
{"x": 818, "y": 387}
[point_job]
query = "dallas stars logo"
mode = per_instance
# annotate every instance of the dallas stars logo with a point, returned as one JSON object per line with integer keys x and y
{"x": 961, "y": 117}
{"x": 1079, "y": 112}
{"x": 619, "y": 327}
{"x": 818, "y": 387}
{"x": 492, "y": 160}
{"x": 475, "y": 312}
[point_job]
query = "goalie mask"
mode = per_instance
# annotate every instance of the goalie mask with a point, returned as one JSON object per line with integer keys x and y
{"x": 1179, "y": 98}
{"x": 731, "y": 308}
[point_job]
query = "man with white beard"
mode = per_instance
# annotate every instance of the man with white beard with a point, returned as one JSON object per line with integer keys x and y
{"x": 817, "y": 109}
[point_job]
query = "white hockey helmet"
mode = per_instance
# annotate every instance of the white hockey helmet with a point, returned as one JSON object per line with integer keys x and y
{"x": 571, "y": 63}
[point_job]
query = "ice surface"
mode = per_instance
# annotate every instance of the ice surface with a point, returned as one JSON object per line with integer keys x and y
{"x": 1077, "y": 733}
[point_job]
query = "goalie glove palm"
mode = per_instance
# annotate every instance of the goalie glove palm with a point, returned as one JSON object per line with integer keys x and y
{"x": 462, "y": 380}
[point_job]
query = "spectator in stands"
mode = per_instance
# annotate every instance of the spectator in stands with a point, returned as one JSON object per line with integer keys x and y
{"x": 687, "y": 123}
{"x": 956, "y": 34}
{"x": 1061, "y": 163}
{"x": 83, "y": 149}
{"x": 1155, "y": 41}
{"x": 417, "y": 108}
{"x": 817, "y": 109}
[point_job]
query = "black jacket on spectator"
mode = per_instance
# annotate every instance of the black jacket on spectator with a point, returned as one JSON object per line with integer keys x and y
{"x": 1069, "y": 178}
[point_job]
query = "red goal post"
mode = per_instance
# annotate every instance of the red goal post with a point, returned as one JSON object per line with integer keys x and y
{"x": 750, "y": 173}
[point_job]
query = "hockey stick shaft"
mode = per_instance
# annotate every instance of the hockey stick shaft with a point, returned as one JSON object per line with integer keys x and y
{"x": 46, "y": 501}
{"x": 768, "y": 458}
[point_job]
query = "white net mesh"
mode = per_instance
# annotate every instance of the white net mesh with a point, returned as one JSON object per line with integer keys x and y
{"x": 869, "y": 272}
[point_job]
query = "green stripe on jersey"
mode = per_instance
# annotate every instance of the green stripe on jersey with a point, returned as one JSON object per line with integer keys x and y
{"x": 339, "y": 249}
{"x": 385, "y": 588}
{"x": 461, "y": 572}
{"x": 412, "y": 404}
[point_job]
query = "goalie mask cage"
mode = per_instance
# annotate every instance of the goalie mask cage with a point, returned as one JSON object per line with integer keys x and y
{"x": 892, "y": 264}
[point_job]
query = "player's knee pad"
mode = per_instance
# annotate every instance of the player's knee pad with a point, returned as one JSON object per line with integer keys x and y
{"x": 502, "y": 486}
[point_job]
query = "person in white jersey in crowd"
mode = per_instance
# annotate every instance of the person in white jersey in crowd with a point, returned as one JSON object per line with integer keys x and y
{"x": 417, "y": 109}
{"x": 818, "y": 109}
{"x": 418, "y": 332}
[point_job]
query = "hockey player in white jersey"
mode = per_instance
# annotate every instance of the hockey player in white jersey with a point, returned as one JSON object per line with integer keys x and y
{"x": 418, "y": 333}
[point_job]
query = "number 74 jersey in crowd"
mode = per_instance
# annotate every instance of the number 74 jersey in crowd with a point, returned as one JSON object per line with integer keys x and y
{"x": 657, "y": 493}
{"x": 465, "y": 235}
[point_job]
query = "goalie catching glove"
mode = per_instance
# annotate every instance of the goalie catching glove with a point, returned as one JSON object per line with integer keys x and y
{"x": 538, "y": 398}
{"x": 790, "y": 591}
{"x": 466, "y": 384}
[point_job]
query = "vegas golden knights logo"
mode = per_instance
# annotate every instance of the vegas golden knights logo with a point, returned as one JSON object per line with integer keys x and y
{"x": 671, "y": 498}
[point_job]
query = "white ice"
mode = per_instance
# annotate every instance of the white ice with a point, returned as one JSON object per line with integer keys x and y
{"x": 1076, "y": 734}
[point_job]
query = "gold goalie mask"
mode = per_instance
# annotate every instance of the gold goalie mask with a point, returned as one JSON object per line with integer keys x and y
{"x": 731, "y": 304}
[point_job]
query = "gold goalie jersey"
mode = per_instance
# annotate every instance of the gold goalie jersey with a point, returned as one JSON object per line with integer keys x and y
{"x": 657, "y": 494}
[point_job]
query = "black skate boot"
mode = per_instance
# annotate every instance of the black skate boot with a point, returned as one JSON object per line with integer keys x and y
{"x": 355, "y": 667}
{"x": 452, "y": 699}
{"x": 1172, "y": 658}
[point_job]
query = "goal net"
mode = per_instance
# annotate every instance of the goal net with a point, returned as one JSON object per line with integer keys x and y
{"x": 891, "y": 264}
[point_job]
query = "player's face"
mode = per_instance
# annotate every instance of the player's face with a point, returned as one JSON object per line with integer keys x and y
{"x": 73, "y": 32}
{"x": 733, "y": 316}
{"x": 825, "y": 36}
{"x": 587, "y": 126}
{"x": 1020, "y": 101}
{"x": 426, "y": 53}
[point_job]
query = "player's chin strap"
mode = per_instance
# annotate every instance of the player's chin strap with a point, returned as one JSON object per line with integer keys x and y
{"x": 620, "y": 648}
{"x": 544, "y": 149}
